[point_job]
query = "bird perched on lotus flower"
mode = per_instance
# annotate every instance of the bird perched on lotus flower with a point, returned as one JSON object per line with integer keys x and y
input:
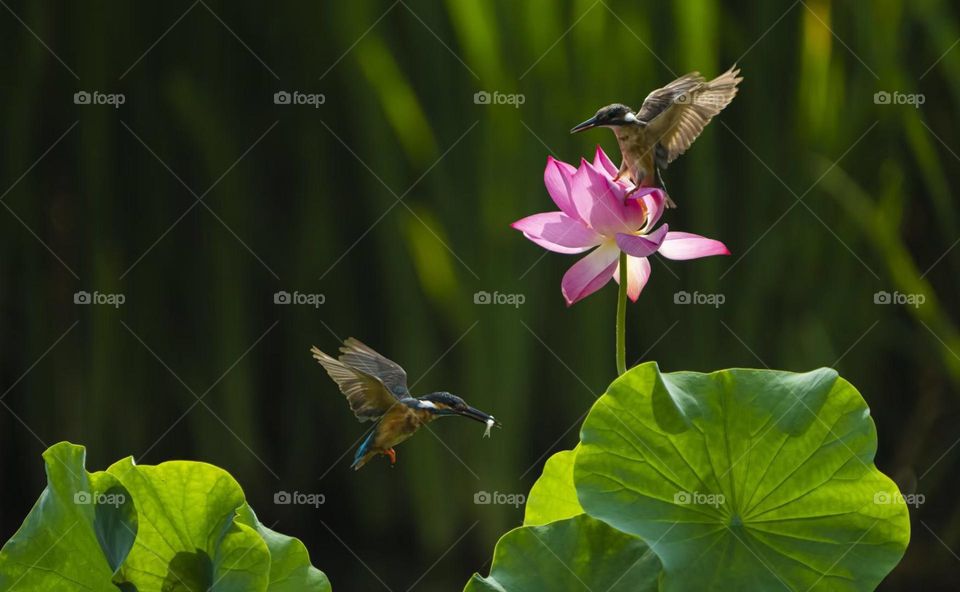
{"x": 376, "y": 389}
{"x": 667, "y": 123}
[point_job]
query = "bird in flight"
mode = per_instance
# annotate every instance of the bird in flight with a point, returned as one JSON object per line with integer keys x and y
{"x": 376, "y": 389}
{"x": 667, "y": 123}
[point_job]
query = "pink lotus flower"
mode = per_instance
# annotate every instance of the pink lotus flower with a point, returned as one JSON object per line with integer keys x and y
{"x": 596, "y": 212}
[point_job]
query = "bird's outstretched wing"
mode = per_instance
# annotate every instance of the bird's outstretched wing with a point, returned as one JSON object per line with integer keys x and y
{"x": 362, "y": 357}
{"x": 662, "y": 99}
{"x": 367, "y": 395}
{"x": 678, "y": 112}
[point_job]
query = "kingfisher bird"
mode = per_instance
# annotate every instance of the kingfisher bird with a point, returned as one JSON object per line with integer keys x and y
{"x": 376, "y": 389}
{"x": 668, "y": 122}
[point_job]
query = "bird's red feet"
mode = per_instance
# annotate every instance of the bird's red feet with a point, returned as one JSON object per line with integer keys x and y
{"x": 392, "y": 454}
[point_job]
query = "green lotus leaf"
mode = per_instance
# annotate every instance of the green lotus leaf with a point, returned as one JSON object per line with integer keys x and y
{"x": 77, "y": 533}
{"x": 177, "y": 527}
{"x": 290, "y": 567}
{"x": 744, "y": 479}
{"x": 190, "y": 541}
{"x": 579, "y": 553}
{"x": 553, "y": 496}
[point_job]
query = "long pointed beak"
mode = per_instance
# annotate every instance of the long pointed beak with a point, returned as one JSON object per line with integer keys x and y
{"x": 592, "y": 122}
{"x": 478, "y": 415}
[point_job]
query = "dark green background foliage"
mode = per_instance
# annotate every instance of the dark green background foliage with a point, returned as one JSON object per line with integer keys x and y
{"x": 823, "y": 196}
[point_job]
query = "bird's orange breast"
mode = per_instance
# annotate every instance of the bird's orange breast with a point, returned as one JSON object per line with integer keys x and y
{"x": 398, "y": 424}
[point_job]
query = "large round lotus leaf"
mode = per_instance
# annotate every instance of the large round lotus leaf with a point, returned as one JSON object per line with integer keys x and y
{"x": 177, "y": 527}
{"x": 575, "y": 554}
{"x": 744, "y": 479}
{"x": 77, "y": 533}
{"x": 553, "y": 496}
{"x": 191, "y": 542}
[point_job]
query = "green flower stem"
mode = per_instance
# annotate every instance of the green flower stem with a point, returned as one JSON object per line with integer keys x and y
{"x": 622, "y": 317}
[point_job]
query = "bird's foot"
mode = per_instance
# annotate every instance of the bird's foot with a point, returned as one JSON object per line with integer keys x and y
{"x": 392, "y": 454}
{"x": 631, "y": 192}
